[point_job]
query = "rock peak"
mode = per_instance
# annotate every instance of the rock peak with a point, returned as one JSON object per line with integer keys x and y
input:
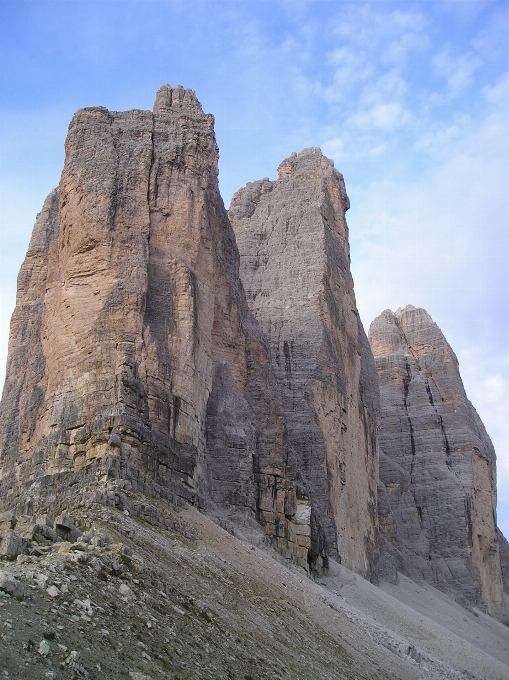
{"x": 295, "y": 268}
{"x": 408, "y": 308}
{"x": 307, "y": 158}
{"x": 171, "y": 378}
{"x": 168, "y": 99}
{"x": 437, "y": 491}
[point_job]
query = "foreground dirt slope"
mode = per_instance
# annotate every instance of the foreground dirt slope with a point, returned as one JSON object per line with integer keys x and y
{"x": 191, "y": 600}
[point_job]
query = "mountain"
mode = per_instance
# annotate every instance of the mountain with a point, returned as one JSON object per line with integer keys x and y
{"x": 295, "y": 267}
{"x": 191, "y": 427}
{"x": 437, "y": 465}
{"x": 132, "y": 352}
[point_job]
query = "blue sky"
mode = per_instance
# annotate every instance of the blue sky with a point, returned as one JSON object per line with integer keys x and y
{"x": 410, "y": 99}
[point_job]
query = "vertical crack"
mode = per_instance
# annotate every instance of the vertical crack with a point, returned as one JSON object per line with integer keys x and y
{"x": 428, "y": 392}
{"x": 406, "y": 383}
{"x": 445, "y": 441}
{"x": 151, "y": 184}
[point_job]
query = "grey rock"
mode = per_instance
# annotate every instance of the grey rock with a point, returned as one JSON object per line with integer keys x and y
{"x": 75, "y": 662}
{"x": 126, "y": 592}
{"x": 7, "y": 520}
{"x": 38, "y": 529}
{"x": 66, "y": 530}
{"x": 12, "y": 545}
{"x": 41, "y": 579}
{"x": 504, "y": 559}
{"x": 26, "y": 527}
{"x": 44, "y": 648}
{"x": 53, "y": 591}
{"x": 437, "y": 465}
{"x": 9, "y": 584}
{"x": 295, "y": 267}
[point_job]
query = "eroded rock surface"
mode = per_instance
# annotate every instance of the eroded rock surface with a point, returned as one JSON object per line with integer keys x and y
{"x": 295, "y": 267}
{"x": 173, "y": 595}
{"x": 132, "y": 351}
{"x": 437, "y": 464}
{"x": 504, "y": 559}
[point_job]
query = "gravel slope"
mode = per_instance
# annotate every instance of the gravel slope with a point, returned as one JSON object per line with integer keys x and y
{"x": 191, "y": 600}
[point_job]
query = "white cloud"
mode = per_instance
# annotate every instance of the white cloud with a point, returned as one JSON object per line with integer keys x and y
{"x": 371, "y": 27}
{"x": 439, "y": 136}
{"x": 387, "y": 87}
{"x": 491, "y": 42}
{"x": 334, "y": 148}
{"x": 499, "y": 93}
{"x": 399, "y": 51}
{"x": 372, "y": 48}
{"x": 382, "y": 117}
{"x": 351, "y": 67}
{"x": 458, "y": 72}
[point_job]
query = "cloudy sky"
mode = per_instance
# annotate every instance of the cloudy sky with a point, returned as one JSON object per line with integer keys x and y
{"x": 410, "y": 99}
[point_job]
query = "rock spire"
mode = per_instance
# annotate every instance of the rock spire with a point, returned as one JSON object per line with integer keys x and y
{"x": 437, "y": 464}
{"x": 295, "y": 268}
{"x": 133, "y": 355}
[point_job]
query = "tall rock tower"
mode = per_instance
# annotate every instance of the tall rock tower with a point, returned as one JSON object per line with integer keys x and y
{"x": 132, "y": 350}
{"x": 437, "y": 464}
{"x": 295, "y": 268}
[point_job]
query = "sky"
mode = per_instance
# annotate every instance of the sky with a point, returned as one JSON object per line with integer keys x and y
{"x": 410, "y": 100}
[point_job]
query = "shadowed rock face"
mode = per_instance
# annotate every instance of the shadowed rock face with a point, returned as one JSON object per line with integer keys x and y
{"x": 437, "y": 464}
{"x": 504, "y": 559}
{"x": 295, "y": 268}
{"x": 132, "y": 351}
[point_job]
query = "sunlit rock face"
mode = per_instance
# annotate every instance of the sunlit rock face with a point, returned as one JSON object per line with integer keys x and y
{"x": 132, "y": 350}
{"x": 437, "y": 464}
{"x": 295, "y": 267}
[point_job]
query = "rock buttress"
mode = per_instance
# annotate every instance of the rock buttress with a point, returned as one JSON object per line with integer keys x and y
{"x": 437, "y": 464}
{"x": 295, "y": 268}
{"x": 132, "y": 349}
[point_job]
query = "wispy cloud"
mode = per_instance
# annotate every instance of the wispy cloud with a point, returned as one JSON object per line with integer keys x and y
{"x": 457, "y": 72}
{"x": 381, "y": 116}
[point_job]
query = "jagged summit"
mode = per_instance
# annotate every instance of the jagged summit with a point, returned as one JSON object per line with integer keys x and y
{"x": 385, "y": 333}
{"x": 169, "y": 99}
{"x": 407, "y": 308}
{"x": 297, "y": 162}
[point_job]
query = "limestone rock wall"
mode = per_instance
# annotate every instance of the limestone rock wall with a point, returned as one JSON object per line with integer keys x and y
{"x": 504, "y": 559}
{"x": 131, "y": 340}
{"x": 437, "y": 464}
{"x": 295, "y": 267}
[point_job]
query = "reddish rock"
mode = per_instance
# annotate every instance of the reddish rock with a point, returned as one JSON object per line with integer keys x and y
{"x": 132, "y": 351}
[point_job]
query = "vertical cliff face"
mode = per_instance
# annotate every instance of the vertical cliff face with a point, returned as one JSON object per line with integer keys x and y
{"x": 132, "y": 347}
{"x": 437, "y": 464}
{"x": 295, "y": 268}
